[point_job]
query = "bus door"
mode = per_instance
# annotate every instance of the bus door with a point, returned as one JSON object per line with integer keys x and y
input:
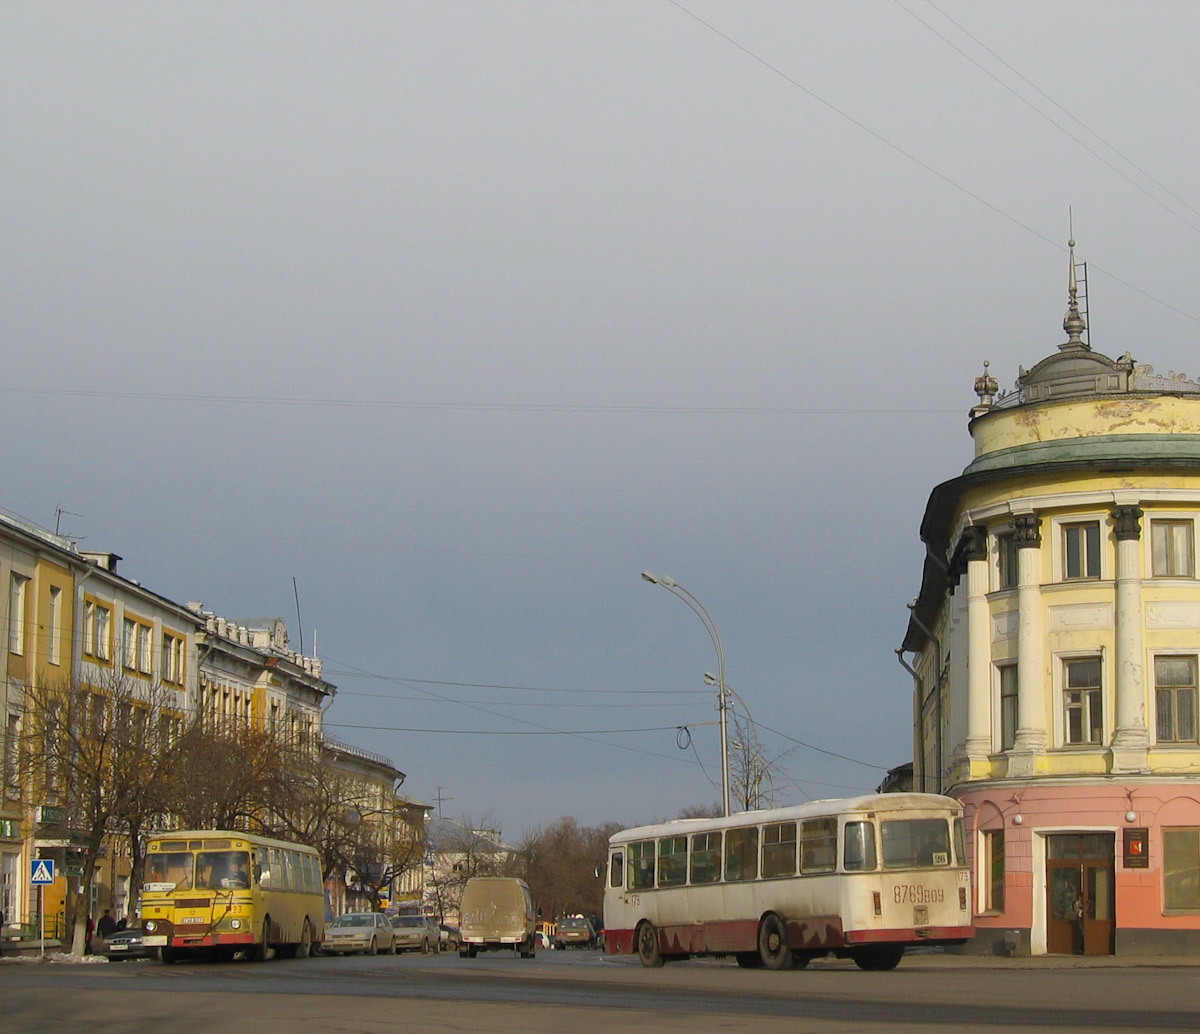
{"x": 1080, "y": 894}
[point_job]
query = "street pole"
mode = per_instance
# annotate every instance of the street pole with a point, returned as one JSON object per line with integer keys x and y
{"x": 710, "y": 626}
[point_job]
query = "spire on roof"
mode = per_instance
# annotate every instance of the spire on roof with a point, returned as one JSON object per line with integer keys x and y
{"x": 1073, "y": 322}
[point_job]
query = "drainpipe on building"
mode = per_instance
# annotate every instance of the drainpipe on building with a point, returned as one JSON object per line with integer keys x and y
{"x": 920, "y": 725}
{"x": 937, "y": 685}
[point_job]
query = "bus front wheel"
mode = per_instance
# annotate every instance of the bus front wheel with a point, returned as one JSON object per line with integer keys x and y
{"x": 647, "y": 946}
{"x": 258, "y": 952}
{"x": 878, "y": 956}
{"x": 772, "y": 943}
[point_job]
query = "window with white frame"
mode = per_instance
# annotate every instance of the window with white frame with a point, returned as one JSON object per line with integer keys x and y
{"x": 18, "y": 601}
{"x": 1172, "y": 549}
{"x": 1175, "y": 698}
{"x": 135, "y": 639}
{"x": 97, "y": 631}
{"x": 172, "y": 658}
{"x": 1181, "y": 869}
{"x": 1081, "y": 550}
{"x": 53, "y": 652}
{"x": 1083, "y": 700}
{"x": 1008, "y": 706}
{"x": 1006, "y": 560}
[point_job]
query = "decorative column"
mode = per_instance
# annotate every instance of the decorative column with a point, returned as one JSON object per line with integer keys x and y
{"x": 1131, "y": 736}
{"x": 1031, "y": 675}
{"x": 979, "y": 645}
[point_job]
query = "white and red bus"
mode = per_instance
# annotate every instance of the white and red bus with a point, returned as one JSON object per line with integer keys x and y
{"x": 861, "y": 878}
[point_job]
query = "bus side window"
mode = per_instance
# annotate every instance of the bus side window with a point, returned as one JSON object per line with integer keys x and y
{"x": 859, "y": 853}
{"x": 779, "y": 849}
{"x": 706, "y": 857}
{"x": 308, "y": 867}
{"x": 818, "y": 845}
{"x": 672, "y": 861}
{"x": 616, "y": 869}
{"x": 741, "y": 854}
{"x": 641, "y": 865}
{"x": 294, "y": 881}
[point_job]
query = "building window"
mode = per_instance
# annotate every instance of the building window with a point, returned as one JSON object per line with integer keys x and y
{"x": 1006, "y": 560}
{"x": 1081, "y": 550}
{"x": 172, "y": 658}
{"x": 1181, "y": 870}
{"x": 97, "y": 631}
{"x": 136, "y": 640}
{"x": 12, "y": 739}
{"x": 18, "y": 593}
{"x": 1008, "y": 706}
{"x": 992, "y": 877}
{"x": 53, "y": 653}
{"x": 1171, "y": 549}
{"x": 1084, "y": 704}
{"x": 1175, "y": 699}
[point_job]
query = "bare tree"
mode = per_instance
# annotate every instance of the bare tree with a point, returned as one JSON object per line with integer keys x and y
{"x": 233, "y": 775}
{"x": 560, "y": 862}
{"x": 95, "y": 747}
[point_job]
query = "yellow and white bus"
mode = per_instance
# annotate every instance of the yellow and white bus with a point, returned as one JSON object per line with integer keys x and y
{"x": 860, "y": 878}
{"x": 215, "y": 893}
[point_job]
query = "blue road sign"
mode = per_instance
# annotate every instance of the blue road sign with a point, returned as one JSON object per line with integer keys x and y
{"x": 41, "y": 872}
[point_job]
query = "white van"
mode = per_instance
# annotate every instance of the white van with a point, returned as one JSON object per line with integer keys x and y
{"x": 497, "y": 912}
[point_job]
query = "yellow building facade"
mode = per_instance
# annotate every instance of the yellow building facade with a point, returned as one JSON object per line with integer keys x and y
{"x": 1056, "y": 648}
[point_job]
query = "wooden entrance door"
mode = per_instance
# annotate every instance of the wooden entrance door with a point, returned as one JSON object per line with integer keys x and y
{"x": 1080, "y": 894}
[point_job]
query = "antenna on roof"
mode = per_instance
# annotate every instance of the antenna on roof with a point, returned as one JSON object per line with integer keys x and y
{"x": 299, "y": 623}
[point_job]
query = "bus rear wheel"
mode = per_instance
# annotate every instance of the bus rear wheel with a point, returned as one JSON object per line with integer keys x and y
{"x": 878, "y": 956}
{"x": 304, "y": 948}
{"x": 647, "y": 946}
{"x": 772, "y": 943}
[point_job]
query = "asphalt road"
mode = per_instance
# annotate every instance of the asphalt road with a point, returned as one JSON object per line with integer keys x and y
{"x": 581, "y": 991}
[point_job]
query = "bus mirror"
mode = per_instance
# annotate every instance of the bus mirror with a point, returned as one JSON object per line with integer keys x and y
{"x": 599, "y": 869}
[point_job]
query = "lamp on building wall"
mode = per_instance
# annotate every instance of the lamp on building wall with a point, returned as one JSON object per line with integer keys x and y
{"x": 1131, "y": 816}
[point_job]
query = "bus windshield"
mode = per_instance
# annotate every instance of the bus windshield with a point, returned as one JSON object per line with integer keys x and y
{"x": 174, "y": 867}
{"x": 222, "y": 870}
{"x": 915, "y": 842}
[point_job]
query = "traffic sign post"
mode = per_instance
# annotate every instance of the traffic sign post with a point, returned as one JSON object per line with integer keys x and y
{"x": 41, "y": 875}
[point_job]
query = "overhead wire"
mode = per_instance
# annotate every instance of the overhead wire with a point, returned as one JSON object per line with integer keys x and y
{"x": 891, "y": 145}
{"x": 1041, "y": 114}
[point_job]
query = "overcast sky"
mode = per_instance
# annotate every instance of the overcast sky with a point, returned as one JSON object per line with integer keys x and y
{"x": 462, "y": 314}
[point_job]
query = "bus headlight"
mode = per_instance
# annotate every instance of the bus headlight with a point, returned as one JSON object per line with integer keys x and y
{"x": 235, "y": 924}
{"x": 150, "y": 926}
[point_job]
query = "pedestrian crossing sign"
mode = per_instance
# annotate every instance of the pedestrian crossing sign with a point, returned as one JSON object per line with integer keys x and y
{"x": 41, "y": 873}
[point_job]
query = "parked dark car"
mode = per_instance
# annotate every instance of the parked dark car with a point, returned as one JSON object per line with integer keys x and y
{"x": 124, "y": 944}
{"x": 574, "y": 932}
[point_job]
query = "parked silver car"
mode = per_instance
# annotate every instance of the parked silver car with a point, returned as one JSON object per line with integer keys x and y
{"x": 416, "y": 933}
{"x": 368, "y": 932}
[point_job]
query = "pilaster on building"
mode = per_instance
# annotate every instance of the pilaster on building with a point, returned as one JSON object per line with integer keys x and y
{"x": 1061, "y": 571}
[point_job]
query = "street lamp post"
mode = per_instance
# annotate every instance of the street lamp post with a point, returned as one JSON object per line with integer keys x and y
{"x": 710, "y": 626}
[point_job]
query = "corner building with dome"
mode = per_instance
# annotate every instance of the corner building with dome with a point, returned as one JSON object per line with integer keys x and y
{"x": 1055, "y": 647}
